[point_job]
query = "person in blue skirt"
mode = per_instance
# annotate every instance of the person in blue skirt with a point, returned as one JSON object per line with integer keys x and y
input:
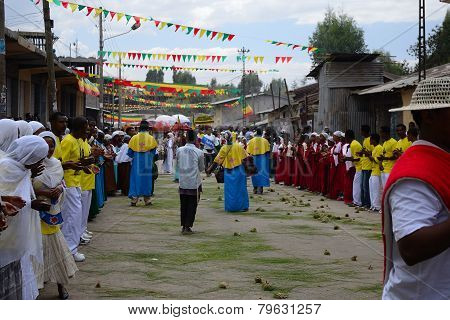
{"x": 142, "y": 149}
{"x": 259, "y": 148}
{"x": 231, "y": 156}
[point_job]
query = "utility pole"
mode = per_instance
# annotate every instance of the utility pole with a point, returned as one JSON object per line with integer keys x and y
{"x": 119, "y": 117}
{"x": 100, "y": 119}
{"x": 51, "y": 85}
{"x": 422, "y": 41}
{"x": 3, "y": 90}
{"x": 243, "y": 51}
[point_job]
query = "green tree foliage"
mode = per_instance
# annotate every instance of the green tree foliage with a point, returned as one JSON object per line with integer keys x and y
{"x": 183, "y": 77}
{"x": 252, "y": 84}
{"x": 437, "y": 44}
{"x": 337, "y": 33}
{"x": 277, "y": 86}
{"x": 155, "y": 76}
{"x": 399, "y": 68}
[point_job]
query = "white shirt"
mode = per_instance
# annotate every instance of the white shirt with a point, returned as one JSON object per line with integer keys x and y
{"x": 347, "y": 153}
{"x": 336, "y": 151}
{"x": 415, "y": 205}
{"x": 190, "y": 161}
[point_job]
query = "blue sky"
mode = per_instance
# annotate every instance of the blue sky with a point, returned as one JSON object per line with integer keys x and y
{"x": 252, "y": 21}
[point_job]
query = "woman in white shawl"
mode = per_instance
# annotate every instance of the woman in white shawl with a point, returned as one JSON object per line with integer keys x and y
{"x": 58, "y": 264}
{"x": 23, "y": 238}
{"x": 9, "y": 132}
{"x": 37, "y": 127}
{"x": 168, "y": 163}
{"x": 25, "y": 129}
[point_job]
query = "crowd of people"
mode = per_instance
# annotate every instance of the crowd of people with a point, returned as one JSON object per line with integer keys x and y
{"x": 54, "y": 180}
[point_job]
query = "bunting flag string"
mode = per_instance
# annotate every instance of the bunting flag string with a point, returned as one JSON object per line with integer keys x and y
{"x": 293, "y": 46}
{"x": 260, "y": 59}
{"x": 158, "y": 104}
{"x": 162, "y": 56}
{"x": 176, "y": 68}
{"x": 87, "y": 87}
{"x": 159, "y": 24}
{"x": 283, "y": 59}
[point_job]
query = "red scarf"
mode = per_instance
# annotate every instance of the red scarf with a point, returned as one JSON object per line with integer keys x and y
{"x": 421, "y": 162}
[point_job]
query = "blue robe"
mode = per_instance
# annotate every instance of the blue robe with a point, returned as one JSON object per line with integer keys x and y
{"x": 141, "y": 175}
{"x": 235, "y": 189}
{"x": 262, "y": 163}
{"x": 100, "y": 185}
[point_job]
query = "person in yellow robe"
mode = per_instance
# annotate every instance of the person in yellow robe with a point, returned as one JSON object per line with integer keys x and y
{"x": 259, "y": 148}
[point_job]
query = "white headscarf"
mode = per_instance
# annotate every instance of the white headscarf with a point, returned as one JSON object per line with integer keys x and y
{"x": 28, "y": 150}
{"x": 25, "y": 128}
{"x": 8, "y": 133}
{"x": 24, "y": 232}
{"x": 36, "y": 126}
{"x": 53, "y": 174}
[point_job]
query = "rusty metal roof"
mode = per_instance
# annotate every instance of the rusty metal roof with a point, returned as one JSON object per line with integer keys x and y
{"x": 407, "y": 81}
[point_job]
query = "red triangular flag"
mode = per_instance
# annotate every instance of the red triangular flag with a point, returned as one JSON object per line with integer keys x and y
{"x": 196, "y": 30}
{"x": 288, "y": 59}
{"x": 179, "y": 57}
{"x": 133, "y": 55}
{"x": 277, "y": 59}
{"x": 218, "y": 58}
{"x": 157, "y": 23}
{"x": 65, "y": 4}
{"x": 177, "y": 26}
{"x": 283, "y": 59}
{"x": 137, "y": 19}
{"x": 112, "y": 14}
{"x": 174, "y": 57}
{"x": 129, "y": 55}
{"x": 207, "y": 58}
{"x": 295, "y": 46}
{"x": 214, "y": 33}
{"x": 213, "y": 58}
{"x": 139, "y": 56}
{"x": 230, "y": 37}
{"x": 89, "y": 10}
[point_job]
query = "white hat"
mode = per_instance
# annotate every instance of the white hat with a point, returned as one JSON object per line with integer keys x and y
{"x": 108, "y": 137}
{"x": 432, "y": 93}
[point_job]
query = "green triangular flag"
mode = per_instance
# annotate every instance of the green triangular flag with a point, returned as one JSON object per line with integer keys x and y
{"x": 144, "y": 55}
{"x": 238, "y": 58}
{"x": 225, "y": 36}
{"x": 105, "y": 13}
{"x": 80, "y": 7}
{"x": 128, "y": 17}
{"x": 189, "y": 57}
{"x": 184, "y": 57}
{"x": 189, "y": 30}
{"x": 223, "y": 58}
{"x": 274, "y": 42}
{"x": 149, "y": 55}
{"x": 195, "y": 57}
{"x": 109, "y": 54}
{"x": 169, "y": 24}
{"x": 208, "y": 32}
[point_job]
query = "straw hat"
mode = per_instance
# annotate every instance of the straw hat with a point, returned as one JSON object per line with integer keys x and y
{"x": 432, "y": 93}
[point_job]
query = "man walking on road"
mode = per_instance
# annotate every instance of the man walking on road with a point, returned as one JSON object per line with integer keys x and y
{"x": 190, "y": 165}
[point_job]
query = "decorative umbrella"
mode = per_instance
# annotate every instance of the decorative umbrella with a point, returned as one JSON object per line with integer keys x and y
{"x": 181, "y": 118}
{"x": 181, "y": 127}
{"x": 163, "y": 123}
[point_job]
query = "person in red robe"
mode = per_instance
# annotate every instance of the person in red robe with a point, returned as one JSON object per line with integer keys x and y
{"x": 337, "y": 168}
{"x": 300, "y": 164}
{"x": 308, "y": 164}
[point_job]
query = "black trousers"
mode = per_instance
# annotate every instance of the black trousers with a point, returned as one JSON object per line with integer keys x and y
{"x": 188, "y": 209}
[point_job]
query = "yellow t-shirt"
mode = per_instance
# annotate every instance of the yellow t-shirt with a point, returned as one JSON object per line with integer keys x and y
{"x": 376, "y": 152}
{"x": 388, "y": 151}
{"x": 403, "y": 144}
{"x": 356, "y": 147}
{"x": 142, "y": 142}
{"x": 87, "y": 180}
{"x": 71, "y": 150}
{"x": 58, "y": 152}
{"x": 231, "y": 158}
{"x": 366, "y": 164}
{"x": 258, "y": 145}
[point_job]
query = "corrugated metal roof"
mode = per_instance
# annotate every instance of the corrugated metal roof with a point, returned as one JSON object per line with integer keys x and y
{"x": 407, "y": 81}
{"x": 343, "y": 57}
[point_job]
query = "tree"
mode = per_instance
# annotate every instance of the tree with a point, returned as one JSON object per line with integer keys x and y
{"x": 183, "y": 77}
{"x": 252, "y": 84}
{"x": 277, "y": 86}
{"x": 437, "y": 44}
{"x": 399, "y": 68}
{"x": 155, "y": 76}
{"x": 213, "y": 83}
{"x": 337, "y": 33}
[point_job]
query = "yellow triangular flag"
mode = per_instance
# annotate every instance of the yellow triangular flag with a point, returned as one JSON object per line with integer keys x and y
{"x": 164, "y": 56}
{"x": 255, "y": 58}
{"x": 219, "y": 36}
{"x": 119, "y": 16}
{"x": 183, "y": 28}
{"x": 73, "y": 6}
{"x": 124, "y": 55}
{"x": 114, "y": 54}
{"x": 261, "y": 59}
{"x": 159, "y": 56}
{"x": 162, "y": 25}
{"x": 202, "y": 32}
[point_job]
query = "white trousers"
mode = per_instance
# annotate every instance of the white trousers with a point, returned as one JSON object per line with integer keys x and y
{"x": 384, "y": 179}
{"x": 357, "y": 188}
{"x": 86, "y": 197}
{"x": 72, "y": 213}
{"x": 375, "y": 192}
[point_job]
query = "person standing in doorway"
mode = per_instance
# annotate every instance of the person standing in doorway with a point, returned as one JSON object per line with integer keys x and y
{"x": 190, "y": 164}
